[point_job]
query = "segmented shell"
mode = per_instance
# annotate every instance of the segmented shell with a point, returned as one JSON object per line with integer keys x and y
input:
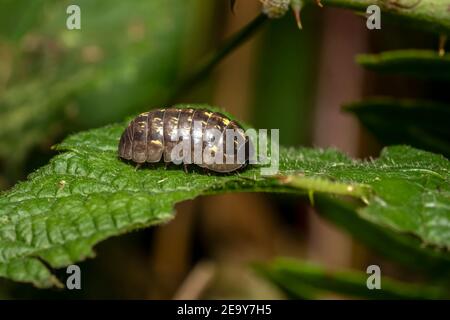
{"x": 149, "y": 137}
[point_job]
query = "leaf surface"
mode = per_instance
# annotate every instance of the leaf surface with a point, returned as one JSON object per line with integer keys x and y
{"x": 296, "y": 277}
{"x": 421, "y": 124}
{"x": 64, "y": 80}
{"x": 417, "y": 63}
{"x": 86, "y": 194}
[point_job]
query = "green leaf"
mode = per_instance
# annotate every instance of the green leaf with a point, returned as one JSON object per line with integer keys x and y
{"x": 58, "y": 75}
{"x": 292, "y": 290}
{"x": 293, "y": 276}
{"x": 395, "y": 246}
{"x": 18, "y": 16}
{"x": 285, "y": 78}
{"x": 417, "y": 63}
{"x": 86, "y": 194}
{"x": 421, "y": 124}
{"x": 30, "y": 115}
{"x": 429, "y": 15}
{"x": 405, "y": 189}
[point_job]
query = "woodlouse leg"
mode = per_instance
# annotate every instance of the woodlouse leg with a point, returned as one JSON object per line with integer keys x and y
{"x": 138, "y": 165}
{"x": 185, "y": 166}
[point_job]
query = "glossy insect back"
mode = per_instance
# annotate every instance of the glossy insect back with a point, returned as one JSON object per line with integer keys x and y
{"x": 152, "y": 136}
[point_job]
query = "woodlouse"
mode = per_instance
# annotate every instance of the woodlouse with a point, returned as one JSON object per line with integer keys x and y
{"x": 150, "y": 138}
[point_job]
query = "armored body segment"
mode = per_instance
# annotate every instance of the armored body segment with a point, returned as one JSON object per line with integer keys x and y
{"x": 139, "y": 142}
{"x": 152, "y": 136}
{"x": 155, "y": 143}
{"x": 170, "y": 128}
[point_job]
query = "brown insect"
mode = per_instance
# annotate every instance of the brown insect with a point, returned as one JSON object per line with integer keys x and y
{"x": 150, "y": 138}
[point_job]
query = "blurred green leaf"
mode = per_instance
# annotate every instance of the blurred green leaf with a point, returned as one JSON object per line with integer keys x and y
{"x": 285, "y": 78}
{"x": 293, "y": 276}
{"x": 18, "y": 16}
{"x": 417, "y": 63}
{"x": 86, "y": 194}
{"x": 420, "y": 124}
{"x": 406, "y": 250}
{"x": 292, "y": 290}
{"x": 64, "y": 80}
{"x": 25, "y": 124}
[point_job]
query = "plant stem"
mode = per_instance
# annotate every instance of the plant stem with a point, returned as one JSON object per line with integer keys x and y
{"x": 432, "y": 15}
{"x": 208, "y": 64}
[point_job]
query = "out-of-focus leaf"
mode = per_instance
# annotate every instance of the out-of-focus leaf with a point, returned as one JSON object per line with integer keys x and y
{"x": 293, "y": 290}
{"x": 18, "y": 16}
{"x": 421, "y": 124}
{"x": 86, "y": 194}
{"x": 285, "y": 78}
{"x": 417, "y": 63}
{"x": 25, "y": 123}
{"x": 395, "y": 246}
{"x": 65, "y": 80}
{"x": 289, "y": 274}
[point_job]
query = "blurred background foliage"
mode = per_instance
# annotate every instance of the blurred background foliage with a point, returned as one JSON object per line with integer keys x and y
{"x": 124, "y": 57}
{"x": 130, "y": 57}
